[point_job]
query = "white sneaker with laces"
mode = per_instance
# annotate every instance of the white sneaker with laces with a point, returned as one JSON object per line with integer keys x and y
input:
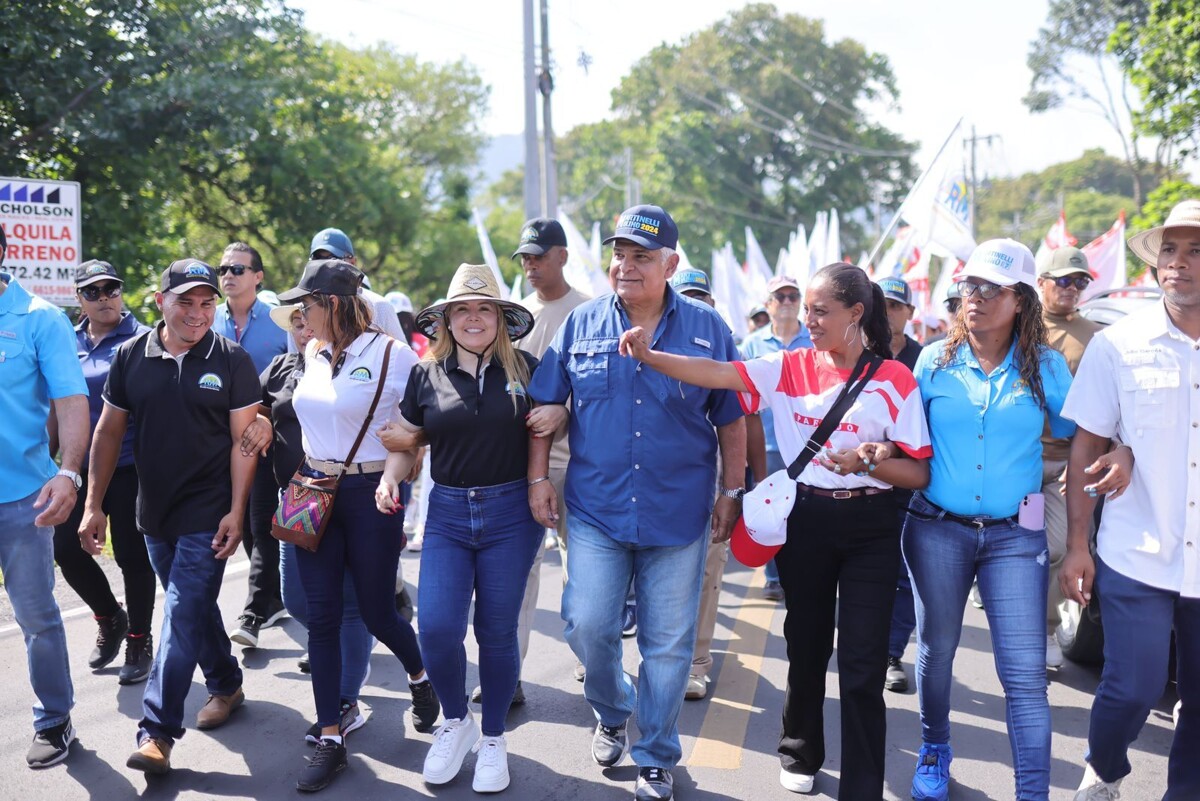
{"x": 491, "y": 765}
{"x": 796, "y": 782}
{"x": 1093, "y": 788}
{"x": 1054, "y": 654}
{"x": 451, "y": 743}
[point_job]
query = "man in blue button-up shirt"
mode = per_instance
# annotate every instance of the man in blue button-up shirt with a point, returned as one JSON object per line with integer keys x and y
{"x": 38, "y": 368}
{"x": 639, "y": 488}
{"x": 246, "y": 320}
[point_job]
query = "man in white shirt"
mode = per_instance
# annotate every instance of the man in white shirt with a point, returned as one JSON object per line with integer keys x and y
{"x": 1140, "y": 380}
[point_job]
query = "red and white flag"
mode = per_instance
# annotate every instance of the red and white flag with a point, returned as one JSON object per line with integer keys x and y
{"x": 1106, "y": 259}
{"x": 1058, "y": 236}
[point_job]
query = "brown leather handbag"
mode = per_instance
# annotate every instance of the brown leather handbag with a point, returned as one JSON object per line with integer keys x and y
{"x": 307, "y": 502}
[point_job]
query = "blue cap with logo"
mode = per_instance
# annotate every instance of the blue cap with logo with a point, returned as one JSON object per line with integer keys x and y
{"x": 648, "y": 226}
{"x": 187, "y": 274}
{"x": 94, "y": 271}
{"x": 693, "y": 279}
{"x": 896, "y": 289}
{"x": 333, "y": 240}
{"x": 539, "y": 235}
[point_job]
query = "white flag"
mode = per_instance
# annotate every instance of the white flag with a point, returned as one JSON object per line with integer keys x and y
{"x": 817, "y": 241}
{"x": 489, "y": 254}
{"x": 833, "y": 240}
{"x": 1106, "y": 259}
{"x": 516, "y": 292}
{"x": 1058, "y": 236}
{"x": 758, "y": 272}
{"x": 728, "y": 296}
{"x": 941, "y": 211}
{"x": 581, "y": 270}
{"x": 797, "y": 256}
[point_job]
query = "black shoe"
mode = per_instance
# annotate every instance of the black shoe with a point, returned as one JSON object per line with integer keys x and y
{"x": 895, "y": 678}
{"x": 303, "y": 664}
{"x": 51, "y": 746}
{"x": 404, "y": 604}
{"x": 629, "y": 621}
{"x": 139, "y": 656}
{"x": 425, "y": 705}
{"x": 275, "y": 613}
{"x": 246, "y": 632}
{"x": 326, "y": 762}
{"x": 517, "y": 700}
{"x": 351, "y": 720}
{"x": 773, "y": 591}
{"x": 108, "y": 639}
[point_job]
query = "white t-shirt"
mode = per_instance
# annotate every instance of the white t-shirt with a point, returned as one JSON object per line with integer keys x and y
{"x": 800, "y": 386}
{"x": 1139, "y": 378}
{"x": 331, "y": 408}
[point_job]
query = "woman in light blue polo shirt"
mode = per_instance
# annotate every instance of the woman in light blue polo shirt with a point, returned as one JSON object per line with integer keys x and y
{"x": 987, "y": 390}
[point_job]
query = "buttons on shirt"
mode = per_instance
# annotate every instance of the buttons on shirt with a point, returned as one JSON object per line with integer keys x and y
{"x": 637, "y": 433}
{"x": 633, "y": 499}
{"x": 638, "y": 401}
{"x": 637, "y": 467}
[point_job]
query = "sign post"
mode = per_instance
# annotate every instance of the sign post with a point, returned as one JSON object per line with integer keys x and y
{"x": 43, "y": 223}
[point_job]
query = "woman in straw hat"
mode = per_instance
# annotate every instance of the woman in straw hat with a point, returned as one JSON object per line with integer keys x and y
{"x": 468, "y": 398}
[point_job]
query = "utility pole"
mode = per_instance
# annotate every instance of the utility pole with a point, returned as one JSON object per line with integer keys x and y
{"x": 546, "y": 84}
{"x": 971, "y": 142}
{"x": 533, "y": 178}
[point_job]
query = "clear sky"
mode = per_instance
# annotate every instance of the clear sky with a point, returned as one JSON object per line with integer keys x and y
{"x": 951, "y": 59}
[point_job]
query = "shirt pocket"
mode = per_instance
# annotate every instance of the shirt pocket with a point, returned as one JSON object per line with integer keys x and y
{"x": 591, "y": 366}
{"x": 16, "y": 361}
{"x": 1152, "y": 392}
{"x": 675, "y": 391}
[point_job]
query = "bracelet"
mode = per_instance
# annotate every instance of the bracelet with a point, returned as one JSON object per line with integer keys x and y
{"x": 539, "y": 480}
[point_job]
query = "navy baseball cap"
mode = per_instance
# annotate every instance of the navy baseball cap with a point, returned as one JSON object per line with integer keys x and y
{"x": 187, "y": 274}
{"x": 648, "y": 226}
{"x": 91, "y": 272}
{"x": 325, "y": 277}
{"x": 334, "y": 240}
{"x": 539, "y": 235}
{"x": 685, "y": 280}
{"x": 896, "y": 289}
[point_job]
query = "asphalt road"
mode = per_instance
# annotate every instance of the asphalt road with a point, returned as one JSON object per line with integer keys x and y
{"x": 728, "y": 740}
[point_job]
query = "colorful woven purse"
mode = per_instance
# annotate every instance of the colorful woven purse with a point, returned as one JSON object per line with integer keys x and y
{"x": 307, "y": 502}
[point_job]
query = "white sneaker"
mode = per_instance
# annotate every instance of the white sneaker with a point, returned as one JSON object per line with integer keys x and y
{"x": 1054, "y": 654}
{"x": 491, "y": 766}
{"x": 415, "y": 541}
{"x": 796, "y": 782}
{"x": 1093, "y": 788}
{"x": 697, "y": 688}
{"x": 451, "y": 743}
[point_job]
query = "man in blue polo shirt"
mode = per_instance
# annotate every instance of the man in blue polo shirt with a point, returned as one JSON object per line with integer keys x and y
{"x": 785, "y": 332}
{"x": 245, "y": 319}
{"x": 643, "y": 463}
{"x": 38, "y": 367}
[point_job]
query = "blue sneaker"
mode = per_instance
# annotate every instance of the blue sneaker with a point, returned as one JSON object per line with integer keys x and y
{"x": 931, "y": 782}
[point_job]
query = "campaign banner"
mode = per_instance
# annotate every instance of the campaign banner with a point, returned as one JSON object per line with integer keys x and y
{"x": 43, "y": 223}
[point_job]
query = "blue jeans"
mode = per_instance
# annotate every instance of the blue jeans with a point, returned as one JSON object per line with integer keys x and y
{"x": 27, "y": 560}
{"x": 1012, "y": 566}
{"x": 192, "y": 633}
{"x": 1138, "y": 620}
{"x": 478, "y": 542}
{"x": 366, "y": 543}
{"x": 667, "y": 581}
{"x": 904, "y": 612}
{"x": 356, "y": 641}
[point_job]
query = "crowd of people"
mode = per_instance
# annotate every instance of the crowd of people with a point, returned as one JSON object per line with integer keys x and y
{"x": 638, "y": 430}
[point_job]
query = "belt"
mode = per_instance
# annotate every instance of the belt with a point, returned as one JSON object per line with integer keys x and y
{"x": 336, "y": 468}
{"x": 979, "y": 523}
{"x": 842, "y": 494}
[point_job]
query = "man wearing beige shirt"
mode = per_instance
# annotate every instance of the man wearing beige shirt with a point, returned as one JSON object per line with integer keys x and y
{"x": 1068, "y": 332}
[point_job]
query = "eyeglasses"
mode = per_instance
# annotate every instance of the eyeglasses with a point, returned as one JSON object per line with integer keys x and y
{"x": 93, "y": 293}
{"x": 304, "y": 309}
{"x": 1080, "y": 281}
{"x": 986, "y": 290}
{"x": 236, "y": 269}
{"x": 787, "y": 297}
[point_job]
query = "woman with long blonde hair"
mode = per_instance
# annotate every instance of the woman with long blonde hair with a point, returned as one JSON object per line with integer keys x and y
{"x": 468, "y": 399}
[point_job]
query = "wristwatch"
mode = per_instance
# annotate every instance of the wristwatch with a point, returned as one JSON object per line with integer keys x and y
{"x": 735, "y": 494}
{"x": 76, "y": 479}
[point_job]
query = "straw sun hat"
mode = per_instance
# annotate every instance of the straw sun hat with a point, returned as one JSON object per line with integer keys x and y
{"x": 475, "y": 282}
{"x": 1146, "y": 244}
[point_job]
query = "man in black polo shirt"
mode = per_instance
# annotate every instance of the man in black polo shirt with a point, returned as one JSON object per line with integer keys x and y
{"x": 191, "y": 394}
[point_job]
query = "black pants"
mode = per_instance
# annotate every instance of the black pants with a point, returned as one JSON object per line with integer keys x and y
{"x": 843, "y": 552}
{"x": 263, "y": 596}
{"x": 129, "y": 547}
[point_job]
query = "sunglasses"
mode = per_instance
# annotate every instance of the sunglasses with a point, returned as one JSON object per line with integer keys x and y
{"x": 1080, "y": 282}
{"x": 304, "y": 309}
{"x": 986, "y": 290}
{"x": 93, "y": 293}
{"x": 787, "y": 297}
{"x": 236, "y": 269}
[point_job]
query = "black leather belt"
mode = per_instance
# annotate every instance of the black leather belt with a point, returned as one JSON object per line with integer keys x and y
{"x": 978, "y": 522}
{"x": 842, "y": 494}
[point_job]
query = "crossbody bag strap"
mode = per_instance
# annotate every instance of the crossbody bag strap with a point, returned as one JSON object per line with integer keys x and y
{"x": 840, "y": 406}
{"x": 387, "y": 357}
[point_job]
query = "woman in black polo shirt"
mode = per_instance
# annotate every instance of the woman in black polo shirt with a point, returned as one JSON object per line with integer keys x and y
{"x": 343, "y": 365}
{"x": 468, "y": 398}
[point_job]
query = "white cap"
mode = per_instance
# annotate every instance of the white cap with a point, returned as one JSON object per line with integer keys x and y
{"x": 400, "y": 302}
{"x": 1001, "y": 261}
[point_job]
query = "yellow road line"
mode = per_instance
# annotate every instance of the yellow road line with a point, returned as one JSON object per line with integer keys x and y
{"x": 719, "y": 744}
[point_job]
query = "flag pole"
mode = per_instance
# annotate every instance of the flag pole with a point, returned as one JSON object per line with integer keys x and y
{"x": 920, "y": 180}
